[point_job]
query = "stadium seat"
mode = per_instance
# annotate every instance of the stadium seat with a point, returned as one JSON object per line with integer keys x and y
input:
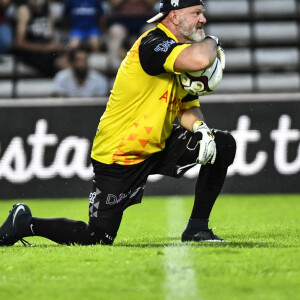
{"x": 238, "y": 59}
{"x": 7, "y": 68}
{"x": 278, "y": 82}
{"x": 275, "y": 8}
{"x": 232, "y": 83}
{"x": 227, "y": 9}
{"x": 270, "y": 32}
{"x": 6, "y": 88}
{"x": 34, "y": 88}
{"x": 98, "y": 61}
{"x": 237, "y": 34}
{"x": 6, "y": 65}
{"x": 271, "y": 58}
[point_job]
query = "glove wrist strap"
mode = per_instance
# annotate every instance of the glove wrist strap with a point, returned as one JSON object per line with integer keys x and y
{"x": 198, "y": 124}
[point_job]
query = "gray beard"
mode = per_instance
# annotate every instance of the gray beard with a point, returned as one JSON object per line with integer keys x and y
{"x": 191, "y": 35}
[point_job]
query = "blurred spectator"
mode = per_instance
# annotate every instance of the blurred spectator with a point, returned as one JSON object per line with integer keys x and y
{"x": 85, "y": 21}
{"x": 79, "y": 80}
{"x": 128, "y": 17}
{"x": 6, "y": 35}
{"x": 35, "y": 40}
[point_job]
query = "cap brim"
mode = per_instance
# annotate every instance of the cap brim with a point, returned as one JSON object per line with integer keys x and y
{"x": 156, "y": 18}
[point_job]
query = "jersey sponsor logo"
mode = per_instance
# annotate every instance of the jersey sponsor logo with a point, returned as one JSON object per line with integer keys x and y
{"x": 84, "y": 11}
{"x": 174, "y": 103}
{"x": 135, "y": 192}
{"x": 183, "y": 135}
{"x": 111, "y": 199}
{"x": 164, "y": 46}
{"x": 40, "y": 27}
{"x": 92, "y": 197}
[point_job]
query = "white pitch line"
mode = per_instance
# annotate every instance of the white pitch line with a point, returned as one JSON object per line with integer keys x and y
{"x": 180, "y": 276}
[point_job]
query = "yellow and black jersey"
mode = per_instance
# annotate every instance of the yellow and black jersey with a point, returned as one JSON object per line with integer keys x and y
{"x": 144, "y": 101}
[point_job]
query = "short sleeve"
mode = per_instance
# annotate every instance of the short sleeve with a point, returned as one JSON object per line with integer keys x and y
{"x": 189, "y": 101}
{"x": 158, "y": 53}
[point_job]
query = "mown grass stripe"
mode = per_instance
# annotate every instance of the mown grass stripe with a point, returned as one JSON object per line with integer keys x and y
{"x": 180, "y": 277}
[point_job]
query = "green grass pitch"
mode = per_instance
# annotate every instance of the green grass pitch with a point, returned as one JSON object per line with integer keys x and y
{"x": 148, "y": 261}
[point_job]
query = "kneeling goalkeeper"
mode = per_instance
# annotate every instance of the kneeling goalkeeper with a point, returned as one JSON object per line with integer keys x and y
{"x": 136, "y": 136}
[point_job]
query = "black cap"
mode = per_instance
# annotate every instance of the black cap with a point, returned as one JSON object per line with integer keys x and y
{"x": 167, "y": 5}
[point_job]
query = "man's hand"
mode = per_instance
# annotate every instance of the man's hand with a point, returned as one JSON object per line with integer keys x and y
{"x": 220, "y": 51}
{"x": 207, "y": 151}
{"x": 221, "y": 56}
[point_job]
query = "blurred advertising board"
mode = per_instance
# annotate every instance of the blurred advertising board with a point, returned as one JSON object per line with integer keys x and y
{"x": 45, "y": 146}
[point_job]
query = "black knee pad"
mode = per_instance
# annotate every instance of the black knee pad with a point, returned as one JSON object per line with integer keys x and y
{"x": 226, "y": 147}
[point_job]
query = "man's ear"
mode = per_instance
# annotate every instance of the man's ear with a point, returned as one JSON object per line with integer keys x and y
{"x": 174, "y": 17}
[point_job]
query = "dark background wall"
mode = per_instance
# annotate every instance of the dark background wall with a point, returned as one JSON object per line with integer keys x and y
{"x": 44, "y": 150}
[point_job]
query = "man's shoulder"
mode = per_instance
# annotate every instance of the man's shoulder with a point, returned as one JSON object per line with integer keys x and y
{"x": 96, "y": 75}
{"x": 22, "y": 12}
{"x": 155, "y": 48}
{"x": 64, "y": 74}
{"x": 156, "y": 36}
{"x": 158, "y": 40}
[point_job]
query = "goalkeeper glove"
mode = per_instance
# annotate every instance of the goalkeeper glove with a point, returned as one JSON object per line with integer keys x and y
{"x": 220, "y": 51}
{"x": 207, "y": 150}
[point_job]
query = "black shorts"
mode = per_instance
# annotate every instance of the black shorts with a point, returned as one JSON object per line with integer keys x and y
{"x": 115, "y": 187}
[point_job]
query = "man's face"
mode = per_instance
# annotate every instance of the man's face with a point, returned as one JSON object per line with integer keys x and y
{"x": 191, "y": 24}
{"x": 80, "y": 64}
{"x": 4, "y": 4}
{"x": 37, "y": 4}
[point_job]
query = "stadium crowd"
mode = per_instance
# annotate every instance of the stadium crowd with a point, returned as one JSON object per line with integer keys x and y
{"x": 44, "y": 33}
{"x": 260, "y": 37}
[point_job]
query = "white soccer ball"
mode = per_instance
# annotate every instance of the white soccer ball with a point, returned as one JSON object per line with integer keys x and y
{"x": 202, "y": 82}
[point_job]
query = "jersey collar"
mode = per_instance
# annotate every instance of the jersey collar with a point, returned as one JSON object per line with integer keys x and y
{"x": 167, "y": 31}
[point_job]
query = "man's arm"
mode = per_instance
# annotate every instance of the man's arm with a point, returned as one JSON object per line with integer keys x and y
{"x": 197, "y": 57}
{"x": 193, "y": 120}
{"x": 187, "y": 117}
{"x": 23, "y": 15}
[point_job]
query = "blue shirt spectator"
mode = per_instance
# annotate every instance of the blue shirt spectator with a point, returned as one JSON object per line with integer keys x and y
{"x": 6, "y": 35}
{"x": 84, "y": 19}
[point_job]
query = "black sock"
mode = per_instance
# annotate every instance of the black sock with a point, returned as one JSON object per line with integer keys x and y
{"x": 67, "y": 231}
{"x": 209, "y": 184}
{"x": 211, "y": 177}
{"x": 195, "y": 225}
